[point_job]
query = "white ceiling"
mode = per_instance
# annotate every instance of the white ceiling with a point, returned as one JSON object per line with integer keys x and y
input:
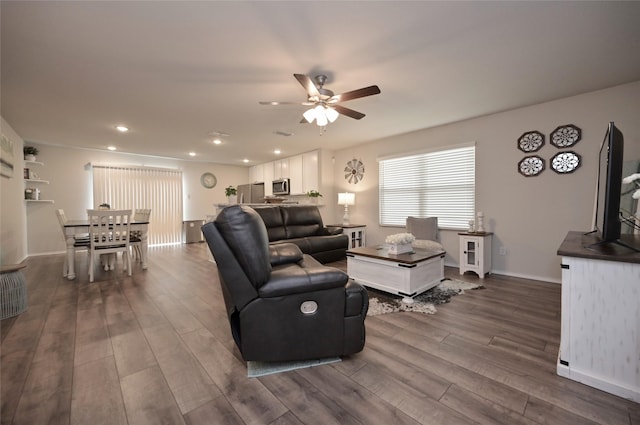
{"x": 176, "y": 71}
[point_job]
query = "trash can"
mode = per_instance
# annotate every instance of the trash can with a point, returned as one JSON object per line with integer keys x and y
{"x": 191, "y": 232}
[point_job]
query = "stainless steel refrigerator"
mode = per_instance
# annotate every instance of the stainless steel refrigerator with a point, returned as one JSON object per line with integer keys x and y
{"x": 251, "y": 193}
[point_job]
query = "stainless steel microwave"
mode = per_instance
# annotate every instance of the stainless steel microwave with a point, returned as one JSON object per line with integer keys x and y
{"x": 280, "y": 187}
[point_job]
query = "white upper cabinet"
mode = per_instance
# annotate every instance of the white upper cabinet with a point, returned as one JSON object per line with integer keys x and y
{"x": 281, "y": 169}
{"x": 310, "y": 171}
{"x": 301, "y": 170}
{"x": 268, "y": 178}
{"x": 295, "y": 175}
{"x": 256, "y": 174}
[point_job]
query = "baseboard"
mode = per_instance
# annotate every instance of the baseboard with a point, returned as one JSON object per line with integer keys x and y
{"x": 589, "y": 378}
{"x": 40, "y": 254}
{"x": 511, "y": 274}
{"x": 527, "y": 276}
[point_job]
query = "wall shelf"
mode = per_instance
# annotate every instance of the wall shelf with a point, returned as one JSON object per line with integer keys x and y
{"x": 35, "y": 181}
{"x": 34, "y": 162}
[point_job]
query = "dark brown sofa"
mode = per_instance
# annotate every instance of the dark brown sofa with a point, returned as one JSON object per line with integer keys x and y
{"x": 302, "y": 225}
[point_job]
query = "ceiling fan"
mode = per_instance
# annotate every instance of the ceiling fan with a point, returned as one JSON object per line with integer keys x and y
{"x": 324, "y": 103}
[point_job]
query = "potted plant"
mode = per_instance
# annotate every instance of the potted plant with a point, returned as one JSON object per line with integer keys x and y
{"x": 30, "y": 153}
{"x": 314, "y": 195}
{"x": 231, "y": 193}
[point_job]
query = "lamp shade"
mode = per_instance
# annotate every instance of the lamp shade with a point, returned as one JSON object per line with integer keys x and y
{"x": 346, "y": 198}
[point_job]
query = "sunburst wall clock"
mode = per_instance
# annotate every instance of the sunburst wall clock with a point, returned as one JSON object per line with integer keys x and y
{"x": 354, "y": 171}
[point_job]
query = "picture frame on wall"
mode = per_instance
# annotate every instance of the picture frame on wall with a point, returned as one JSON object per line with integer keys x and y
{"x": 6, "y": 156}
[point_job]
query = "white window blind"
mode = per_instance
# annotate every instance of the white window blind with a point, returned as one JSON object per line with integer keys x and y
{"x": 434, "y": 184}
{"x": 135, "y": 187}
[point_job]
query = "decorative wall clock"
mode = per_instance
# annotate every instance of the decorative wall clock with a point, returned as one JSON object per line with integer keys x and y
{"x": 565, "y": 136}
{"x": 354, "y": 171}
{"x": 531, "y": 141}
{"x": 208, "y": 180}
{"x": 531, "y": 166}
{"x": 565, "y": 162}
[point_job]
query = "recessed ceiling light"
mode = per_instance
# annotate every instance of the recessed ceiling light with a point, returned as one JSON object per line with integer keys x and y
{"x": 111, "y": 148}
{"x": 192, "y": 154}
{"x": 245, "y": 160}
{"x": 217, "y": 141}
{"x": 122, "y": 128}
{"x": 277, "y": 152}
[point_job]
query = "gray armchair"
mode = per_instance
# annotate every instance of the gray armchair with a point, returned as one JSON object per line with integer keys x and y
{"x": 282, "y": 305}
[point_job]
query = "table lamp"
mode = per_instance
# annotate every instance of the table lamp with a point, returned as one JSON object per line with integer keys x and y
{"x": 346, "y": 199}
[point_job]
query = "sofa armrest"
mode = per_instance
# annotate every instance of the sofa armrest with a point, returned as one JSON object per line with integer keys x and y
{"x": 292, "y": 279}
{"x": 284, "y": 253}
{"x": 331, "y": 230}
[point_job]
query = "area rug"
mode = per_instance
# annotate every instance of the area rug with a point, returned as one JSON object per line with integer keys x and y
{"x": 256, "y": 369}
{"x": 425, "y": 303}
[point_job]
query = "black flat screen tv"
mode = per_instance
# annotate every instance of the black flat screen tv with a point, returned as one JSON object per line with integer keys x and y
{"x": 607, "y": 210}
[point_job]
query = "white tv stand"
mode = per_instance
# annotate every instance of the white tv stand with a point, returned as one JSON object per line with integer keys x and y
{"x": 600, "y": 327}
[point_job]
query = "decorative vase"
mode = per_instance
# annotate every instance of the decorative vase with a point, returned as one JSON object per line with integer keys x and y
{"x": 31, "y": 158}
{"x": 232, "y": 199}
{"x": 480, "y": 222}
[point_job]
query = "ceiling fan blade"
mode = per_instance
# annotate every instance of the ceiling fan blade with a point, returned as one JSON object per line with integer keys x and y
{"x": 276, "y": 103}
{"x": 308, "y": 85}
{"x": 348, "y": 112}
{"x": 355, "y": 94}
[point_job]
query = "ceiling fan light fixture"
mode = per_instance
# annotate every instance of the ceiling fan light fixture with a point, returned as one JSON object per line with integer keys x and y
{"x": 321, "y": 119}
{"x": 309, "y": 115}
{"x": 331, "y": 114}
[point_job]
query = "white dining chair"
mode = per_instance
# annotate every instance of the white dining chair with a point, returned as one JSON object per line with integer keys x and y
{"x": 109, "y": 233}
{"x": 80, "y": 242}
{"x": 140, "y": 214}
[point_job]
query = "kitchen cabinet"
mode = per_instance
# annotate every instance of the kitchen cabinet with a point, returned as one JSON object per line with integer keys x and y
{"x": 256, "y": 174}
{"x": 295, "y": 175}
{"x": 301, "y": 170}
{"x": 268, "y": 178}
{"x": 310, "y": 171}
{"x": 281, "y": 169}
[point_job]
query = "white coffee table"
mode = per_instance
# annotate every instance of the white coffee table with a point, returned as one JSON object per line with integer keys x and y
{"x": 407, "y": 274}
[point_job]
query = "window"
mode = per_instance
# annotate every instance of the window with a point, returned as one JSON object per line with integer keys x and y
{"x": 433, "y": 184}
{"x": 160, "y": 189}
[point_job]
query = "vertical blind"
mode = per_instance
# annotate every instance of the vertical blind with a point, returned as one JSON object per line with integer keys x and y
{"x": 134, "y": 187}
{"x": 434, "y": 184}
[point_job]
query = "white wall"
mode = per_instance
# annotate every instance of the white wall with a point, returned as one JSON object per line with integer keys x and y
{"x": 71, "y": 189}
{"x": 13, "y": 221}
{"x": 530, "y": 216}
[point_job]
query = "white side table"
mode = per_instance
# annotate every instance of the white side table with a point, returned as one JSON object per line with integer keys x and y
{"x": 356, "y": 233}
{"x": 475, "y": 253}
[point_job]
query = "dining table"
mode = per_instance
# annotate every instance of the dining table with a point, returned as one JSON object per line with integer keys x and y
{"x": 78, "y": 227}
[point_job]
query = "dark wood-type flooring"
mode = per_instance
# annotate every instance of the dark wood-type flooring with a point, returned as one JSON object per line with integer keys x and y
{"x": 155, "y": 348}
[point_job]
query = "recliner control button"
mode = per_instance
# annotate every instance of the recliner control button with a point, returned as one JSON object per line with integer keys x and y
{"x": 309, "y": 307}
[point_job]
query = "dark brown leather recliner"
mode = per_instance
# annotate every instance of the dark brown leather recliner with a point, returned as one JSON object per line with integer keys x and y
{"x": 282, "y": 304}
